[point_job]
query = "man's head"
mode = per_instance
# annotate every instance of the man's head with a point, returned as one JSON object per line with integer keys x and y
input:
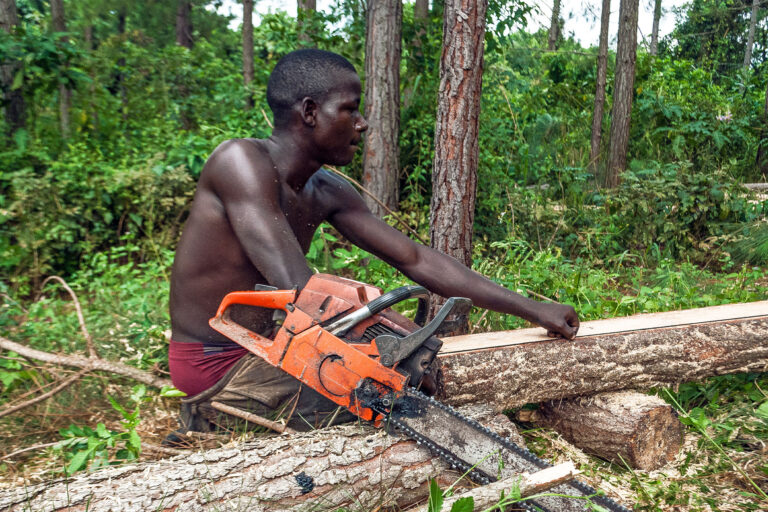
{"x": 305, "y": 73}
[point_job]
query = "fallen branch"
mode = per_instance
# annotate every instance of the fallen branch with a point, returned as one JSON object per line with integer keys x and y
{"x": 80, "y": 318}
{"x": 63, "y": 385}
{"x": 86, "y": 363}
{"x": 252, "y": 418}
{"x": 528, "y": 485}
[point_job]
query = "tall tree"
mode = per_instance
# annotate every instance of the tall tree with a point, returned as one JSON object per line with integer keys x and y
{"x": 15, "y": 110}
{"x": 381, "y": 166}
{"x": 655, "y": 30}
{"x": 623, "y": 89}
{"x": 248, "y": 51}
{"x": 554, "y": 27}
{"x": 751, "y": 36}
{"x": 184, "y": 24}
{"x": 65, "y": 95}
{"x": 305, "y": 9}
{"x": 602, "y": 71}
{"x": 420, "y": 20}
{"x": 454, "y": 173}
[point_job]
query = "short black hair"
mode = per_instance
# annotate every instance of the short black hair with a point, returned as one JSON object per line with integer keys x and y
{"x": 303, "y": 73}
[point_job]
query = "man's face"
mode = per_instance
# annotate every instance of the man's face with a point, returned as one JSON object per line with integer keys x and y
{"x": 339, "y": 124}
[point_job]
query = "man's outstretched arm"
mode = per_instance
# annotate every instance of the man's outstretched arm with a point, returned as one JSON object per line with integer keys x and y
{"x": 440, "y": 273}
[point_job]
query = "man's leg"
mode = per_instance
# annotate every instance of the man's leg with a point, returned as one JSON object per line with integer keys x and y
{"x": 255, "y": 386}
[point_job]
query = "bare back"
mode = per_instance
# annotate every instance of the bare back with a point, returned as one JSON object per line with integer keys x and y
{"x": 241, "y": 206}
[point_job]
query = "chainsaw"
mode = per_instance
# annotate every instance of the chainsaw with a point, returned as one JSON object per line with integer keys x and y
{"x": 340, "y": 337}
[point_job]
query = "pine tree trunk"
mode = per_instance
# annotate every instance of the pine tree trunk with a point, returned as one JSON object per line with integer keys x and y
{"x": 248, "y": 51}
{"x": 751, "y": 36}
{"x": 304, "y": 10}
{"x": 15, "y": 108}
{"x": 654, "y": 50}
{"x": 602, "y": 72}
{"x": 554, "y": 27}
{"x": 184, "y": 24}
{"x": 381, "y": 166}
{"x": 454, "y": 174}
{"x": 623, "y": 90}
{"x": 65, "y": 95}
{"x": 420, "y": 20}
{"x": 762, "y": 145}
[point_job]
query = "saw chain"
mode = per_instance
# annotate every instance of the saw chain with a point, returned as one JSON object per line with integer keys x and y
{"x": 472, "y": 449}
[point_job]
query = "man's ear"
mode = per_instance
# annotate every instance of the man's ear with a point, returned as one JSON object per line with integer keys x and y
{"x": 309, "y": 111}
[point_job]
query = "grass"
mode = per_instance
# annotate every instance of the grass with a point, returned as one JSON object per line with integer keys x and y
{"x": 723, "y": 465}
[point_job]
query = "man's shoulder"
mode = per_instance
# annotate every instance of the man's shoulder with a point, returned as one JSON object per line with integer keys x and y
{"x": 336, "y": 189}
{"x": 238, "y": 159}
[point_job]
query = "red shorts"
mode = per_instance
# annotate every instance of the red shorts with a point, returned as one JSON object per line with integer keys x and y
{"x": 196, "y": 367}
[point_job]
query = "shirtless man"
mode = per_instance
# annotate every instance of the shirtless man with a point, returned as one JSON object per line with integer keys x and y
{"x": 256, "y": 208}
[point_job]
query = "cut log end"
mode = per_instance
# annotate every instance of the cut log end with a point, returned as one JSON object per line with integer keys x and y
{"x": 642, "y": 431}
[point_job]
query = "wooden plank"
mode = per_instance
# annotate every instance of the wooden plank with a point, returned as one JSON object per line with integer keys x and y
{"x": 471, "y": 342}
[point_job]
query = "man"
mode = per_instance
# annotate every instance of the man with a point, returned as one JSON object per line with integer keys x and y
{"x": 256, "y": 208}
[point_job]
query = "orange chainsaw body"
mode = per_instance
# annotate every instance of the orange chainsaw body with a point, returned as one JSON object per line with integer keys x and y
{"x": 304, "y": 348}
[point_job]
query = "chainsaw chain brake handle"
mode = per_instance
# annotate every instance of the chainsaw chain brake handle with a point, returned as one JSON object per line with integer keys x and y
{"x": 393, "y": 349}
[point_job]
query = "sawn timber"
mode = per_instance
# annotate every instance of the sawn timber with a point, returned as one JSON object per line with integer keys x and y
{"x": 511, "y": 368}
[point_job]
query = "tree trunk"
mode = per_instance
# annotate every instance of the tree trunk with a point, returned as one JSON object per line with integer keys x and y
{"x": 248, "y": 51}
{"x": 65, "y": 95}
{"x": 751, "y": 36}
{"x": 184, "y": 24}
{"x": 454, "y": 174}
{"x": 381, "y": 167}
{"x": 353, "y": 466}
{"x": 305, "y": 9}
{"x": 15, "y": 109}
{"x": 513, "y": 368}
{"x": 623, "y": 427}
{"x": 655, "y": 29}
{"x": 554, "y": 27}
{"x": 420, "y": 20}
{"x": 602, "y": 72}
{"x": 623, "y": 90}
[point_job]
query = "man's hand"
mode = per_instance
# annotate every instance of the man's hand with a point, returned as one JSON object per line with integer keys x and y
{"x": 560, "y": 320}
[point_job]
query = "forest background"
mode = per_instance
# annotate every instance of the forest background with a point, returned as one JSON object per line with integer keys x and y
{"x": 111, "y": 109}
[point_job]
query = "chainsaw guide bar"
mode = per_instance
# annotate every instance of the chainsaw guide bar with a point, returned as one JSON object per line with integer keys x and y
{"x": 481, "y": 453}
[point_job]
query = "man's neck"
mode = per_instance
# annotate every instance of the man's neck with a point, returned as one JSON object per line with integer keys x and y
{"x": 291, "y": 155}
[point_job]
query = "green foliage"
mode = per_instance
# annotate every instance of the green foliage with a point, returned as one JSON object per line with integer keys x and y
{"x": 85, "y": 447}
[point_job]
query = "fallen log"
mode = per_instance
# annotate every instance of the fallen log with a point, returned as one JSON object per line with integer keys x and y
{"x": 512, "y": 368}
{"x": 623, "y": 427}
{"x": 354, "y": 466}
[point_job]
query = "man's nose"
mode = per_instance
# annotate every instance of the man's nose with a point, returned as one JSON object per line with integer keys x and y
{"x": 361, "y": 125}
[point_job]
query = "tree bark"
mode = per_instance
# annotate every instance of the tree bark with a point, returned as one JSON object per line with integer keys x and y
{"x": 513, "y": 368}
{"x": 624, "y": 426}
{"x": 602, "y": 72}
{"x": 248, "y": 51}
{"x": 381, "y": 165}
{"x": 65, "y": 95}
{"x": 305, "y": 9}
{"x": 623, "y": 90}
{"x": 751, "y": 36}
{"x": 654, "y": 50}
{"x": 184, "y": 24}
{"x": 15, "y": 108}
{"x": 554, "y": 27}
{"x": 454, "y": 174}
{"x": 354, "y": 466}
